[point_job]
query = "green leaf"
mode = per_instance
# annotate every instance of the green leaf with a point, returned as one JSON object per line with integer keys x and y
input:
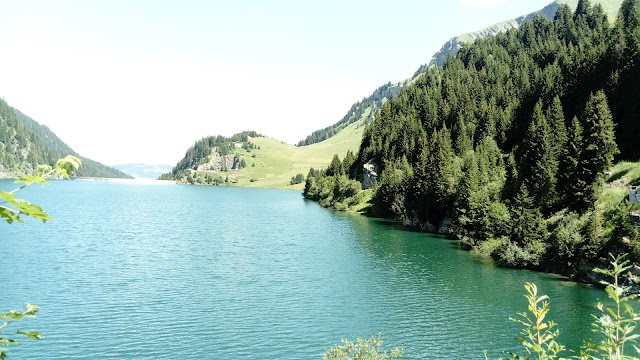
{"x": 44, "y": 169}
{"x": 29, "y": 179}
{"x": 31, "y": 210}
{"x": 31, "y": 334}
{"x": 67, "y": 165}
{"x": 9, "y": 215}
{"x": 9, "y": 198}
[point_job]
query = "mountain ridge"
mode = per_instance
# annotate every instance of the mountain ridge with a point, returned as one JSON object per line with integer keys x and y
{"x": 25, "y": 144}
{"x": 365, "y": 109}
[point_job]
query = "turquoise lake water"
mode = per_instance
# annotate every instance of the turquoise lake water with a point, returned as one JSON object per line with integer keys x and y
{"x": 142, "y": 271}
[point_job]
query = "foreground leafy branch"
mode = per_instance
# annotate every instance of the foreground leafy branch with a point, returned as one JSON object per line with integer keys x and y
{"x": 12, "y": 209}
{"x": 12, "y": 316}
{"x": 617, "y": 324}
{"x": 539, "y": 336}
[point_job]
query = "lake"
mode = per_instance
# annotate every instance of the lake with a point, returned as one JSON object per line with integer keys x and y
{"x": 145, "y": 271}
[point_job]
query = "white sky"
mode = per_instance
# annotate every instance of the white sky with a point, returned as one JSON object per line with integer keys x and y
{"x": 124, "y": 81}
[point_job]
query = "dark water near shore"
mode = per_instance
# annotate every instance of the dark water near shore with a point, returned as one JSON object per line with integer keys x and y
{"x": 133, "y": 271}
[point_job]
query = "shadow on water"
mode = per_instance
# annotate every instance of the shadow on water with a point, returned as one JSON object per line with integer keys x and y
{"x": 442, "y": 271}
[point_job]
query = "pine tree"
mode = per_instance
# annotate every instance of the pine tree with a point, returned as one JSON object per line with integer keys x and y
{"x": 461, "y": 136}
{"x": 582, "y": 9}
{"x": 528, "y": 231}
{"x": 598, "y": 148}
{"x": 569, "y": 184}
{"x": 433, "y": 183}
{"x": 335, "y": 168}
{"x": 537, "y": 169}
{"x": 556, "y": 120}
{"x": 347, "y": 163}
{"x": 630, "y": 16}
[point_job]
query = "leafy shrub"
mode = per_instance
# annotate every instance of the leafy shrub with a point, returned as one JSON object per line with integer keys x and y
{"x": 370, "y": 349}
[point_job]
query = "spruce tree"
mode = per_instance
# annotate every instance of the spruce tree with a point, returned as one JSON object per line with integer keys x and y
{"x": 598, "y": 148}
{"x": 582, "y": 9}
{"x": 569, "y": 184}
{"x": 556, "y": 120}
{"x": 537, "y": 169}
{"x": 335, "y": 168}
{"x": 461, "y": 136}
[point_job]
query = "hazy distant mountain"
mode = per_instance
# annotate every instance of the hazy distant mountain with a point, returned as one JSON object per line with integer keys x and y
{"x": 144, "y": 171}
{"x": 365, "y": 109}
{"x": 25, "y": 144}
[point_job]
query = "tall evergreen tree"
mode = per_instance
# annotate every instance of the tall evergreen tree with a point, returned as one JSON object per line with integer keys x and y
{"x": 598, "y": 148}
{"x": 556, "y": 120}
{"x": 461, "y": 136}
{"x": 335, "y": 168}
{"x": 582, "y": 9}
{"x": 630, "y": 17}
{"x": 435, "y": 179}
{"x": 569, "y": 186}
{"x": 537, "y": 169}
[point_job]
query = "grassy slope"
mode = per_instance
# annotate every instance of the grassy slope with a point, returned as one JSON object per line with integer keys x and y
{"x": 616, "y": 188}
{"x": 276, "y": 162}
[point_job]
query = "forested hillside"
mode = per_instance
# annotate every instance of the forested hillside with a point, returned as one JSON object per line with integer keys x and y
{"x": 25, "y": 144}
{"x": 219, "y": 147}
{"x": 507, "y": 146}
{"x": 366, "y": 109}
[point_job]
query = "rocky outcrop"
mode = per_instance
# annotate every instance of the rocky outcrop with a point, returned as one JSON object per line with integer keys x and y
{"x": 370, "y": 172}
{"x": 415, "y": 223}
{"x": 217, "y": 162}
{"x": 451, "y": 47}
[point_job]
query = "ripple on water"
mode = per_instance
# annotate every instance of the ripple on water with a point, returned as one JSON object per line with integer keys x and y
{"x": 164, "y": 272}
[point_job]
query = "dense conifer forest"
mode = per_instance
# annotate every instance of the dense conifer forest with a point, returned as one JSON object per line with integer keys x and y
{"x": 506, "y": 147}
{"x": 25, "y": 144}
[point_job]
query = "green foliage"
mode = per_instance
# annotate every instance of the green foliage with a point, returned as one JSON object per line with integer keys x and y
{"x": 598, "y": 149}
{"x": 369, "y": 349}
{"x": 7, "y": 319}
{"x": 514, "y": 171}
{"x": 539, "y": 337}
{"x": 617, "y": 324}
{"x": 12, "y": 208}
{"x": 331, "y": 187}
{"x": 389, "y": 200}
{"x": 298, "y": 179}
{"x": 199, "y": 153}
{"x": 538, "y": 164}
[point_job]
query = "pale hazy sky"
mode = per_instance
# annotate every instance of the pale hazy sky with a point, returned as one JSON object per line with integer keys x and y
{"x": 140, "y": 81}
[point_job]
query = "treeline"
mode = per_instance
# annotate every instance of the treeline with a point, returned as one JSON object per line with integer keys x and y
{"x": 357, "y": 112}
{"x": 198, "y": 154}
{"x": 25, "y": 144}
{"x": 506, "y": 146}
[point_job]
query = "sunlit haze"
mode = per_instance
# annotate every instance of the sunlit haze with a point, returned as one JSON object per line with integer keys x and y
{"x": 141, "y": 81}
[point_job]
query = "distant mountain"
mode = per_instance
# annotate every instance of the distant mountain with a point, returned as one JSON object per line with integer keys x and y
{"x": 365, "y": 109}
{"x": 451, "y": 47}
{"x": 25, "y": 144}
{"x": 144, "y": 171}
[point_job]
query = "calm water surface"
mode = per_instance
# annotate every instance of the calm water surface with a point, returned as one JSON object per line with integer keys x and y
{"x": 130, "y": 271}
